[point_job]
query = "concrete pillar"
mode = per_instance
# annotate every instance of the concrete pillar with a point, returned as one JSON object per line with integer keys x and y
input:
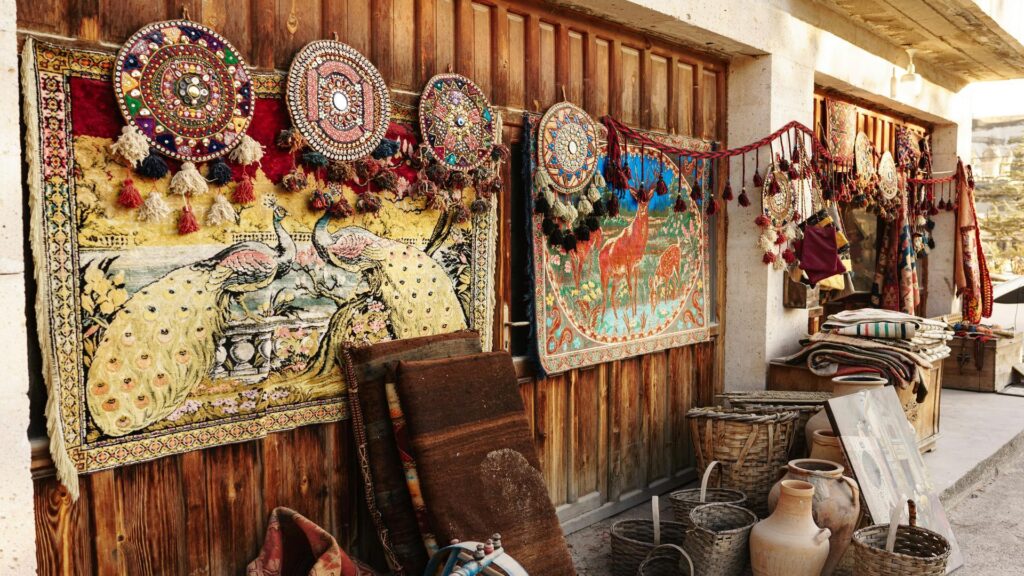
{"x": 765, "y": 93}
{"x": 17, "y": 526}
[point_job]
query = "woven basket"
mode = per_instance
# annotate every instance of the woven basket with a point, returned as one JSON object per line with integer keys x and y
{"x": 917, "y": 552}
{"x": 667, "y": 560}
{"x": 633, "y": 541}
{"x": 720, "y": 538}
{"x": 683, "y": 501}
{"x": 751, "y": 448}
{"x": 799, "y": 448}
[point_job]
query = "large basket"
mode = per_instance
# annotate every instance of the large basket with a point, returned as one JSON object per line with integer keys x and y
{"x": 799, "y": 448}
{"x": 751, "y": 448}
{"x": 917, "y": 551}
{"x": 683, "y": 501}
{"x": 719, "y": 542}
{"x": 667, "y": 560}
{"x": 633, "y": 541}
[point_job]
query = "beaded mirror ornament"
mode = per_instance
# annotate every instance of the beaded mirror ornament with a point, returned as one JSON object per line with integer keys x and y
{"x": 457, "y": 122}
{"x": 887, "y": 193}
{"x": 567, "y": 147}
{"x": 864, "y": 156}
{"x": 337, "y": 100}
{"x": 185, "y": 88}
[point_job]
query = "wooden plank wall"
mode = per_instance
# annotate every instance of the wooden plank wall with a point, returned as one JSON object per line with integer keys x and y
{"x": 608, "y": 436}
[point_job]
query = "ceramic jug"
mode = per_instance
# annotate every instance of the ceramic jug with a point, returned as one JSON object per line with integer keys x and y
{"x": 825, "y": 446}
{"x": 841, "y": 386}
{"x": 789, "y": 543}
{"x": 836, "y": 502}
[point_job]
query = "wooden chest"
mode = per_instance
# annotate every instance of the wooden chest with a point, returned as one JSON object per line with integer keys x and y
{"x": 982, "y": 366}
{"x": 924, "y": 415}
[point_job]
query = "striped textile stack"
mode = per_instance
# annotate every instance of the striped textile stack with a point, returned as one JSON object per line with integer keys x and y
{"x": 923, "y": 336}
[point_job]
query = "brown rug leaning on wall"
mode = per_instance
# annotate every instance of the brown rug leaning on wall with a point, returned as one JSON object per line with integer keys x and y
{"x": 391, "y": 506}
{"x": 477, "y": 463}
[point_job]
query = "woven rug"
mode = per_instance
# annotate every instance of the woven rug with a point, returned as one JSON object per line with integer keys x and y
{"x": 146, "y": 352}
{"x": 478, "y": 466}
{"x": 296, "y": 546}
{"x": 385, "y": 470}
{"x": 840, "y": 128}
{"x": 587, "y": 309}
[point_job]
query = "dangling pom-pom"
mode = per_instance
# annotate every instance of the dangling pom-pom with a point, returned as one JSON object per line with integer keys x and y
{"x": 340, "y": 208}
{"x": 727, "y": 192}
{"x": 188, "y": 181}
{"x": 768, "y": 258}
{"x": 131, "y": 146}
{"x": 931, "y": 243}
{"x": 248, "y": 151}
{"x": 569, "y": 241}
{"x": 744, "y": 200}
{"x": 319, "y": 200}
{"x": 600, "y": 209}
{"x": 762, "y": 221}
{"x": 314, "y": 159}
{"x": 540, "y": 205}
{"x": 697, "y": 193}
{"x": 479, "y": 206}
{"x": 930, "y": 225}
{"x": 500, "y": 153}
{"x": 584, "y": 207}
{"x": 366, "y": 168}
{"x": 789, "y": 256}
{"x": 458, "y": 180}
{"x": 154, "y": 209}
{"x": 220, "y": 212}
{"x": 187, "y": 222}
{"x": 582, "y": 233}
{"x": 949, "y": 206}
{"x": 547, "y": 225}
{"x": 758, "y": 179}
{"x": 826, "y": 192}
{"x": 661, "y": 188}
{"x": 245, "y": 192}
{"x": 437, "y": 173}
{"x": 680, "y": 204}
{"x": 933, "y": 211}
{"x": 340, "y": 171}
{"x": 613, "y": 206}
{"x": 368, "y": 203}
{"x": 129, "y": 196}
{"x": 593, "y": 224}
{"x": 386, "y": 180}
{"x": 294, "y": 180}
{"x": 594, "y": 192}
{"x": 461, "y": 213}
{"x": 386, "y": 149}
{"x": 218, "y": 172}
{"x": 555, "y": 237}
{"x": 793, "y": 173}
{"x": 711, "y": 208}
{"x": 784, "y": 165}
{"x": 291, "y": 140}
{"x": 152, "y": 166}
{"x": 919, "y": 220}
{"x": 774, "y": 187}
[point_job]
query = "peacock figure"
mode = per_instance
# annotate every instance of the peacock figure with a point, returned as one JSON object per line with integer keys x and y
{"x": 162, "y": 342}
{"x": 420, "y": 297}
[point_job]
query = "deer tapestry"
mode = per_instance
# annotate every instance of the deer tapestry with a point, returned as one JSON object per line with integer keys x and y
{"x": 155, "y": 342}
{"x": 639, "y": 282}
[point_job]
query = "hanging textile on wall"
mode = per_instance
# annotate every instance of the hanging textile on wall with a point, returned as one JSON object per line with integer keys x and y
{"x": 973, "y": 284}
{"x": 908, "y": 147}
{"x": 841, "y": 128}
{"x": 155, "y": 343}
{"x": 638, "y": 283}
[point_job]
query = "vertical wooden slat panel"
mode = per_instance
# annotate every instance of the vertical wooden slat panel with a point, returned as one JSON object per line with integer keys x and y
{"x": 381, "y": 36}
{"x": 49, "y": 16}
{"x": 627, "y": 453}
{"x": 83, "y": 19}
{"x": 63, "y": 543}
{"x": 548, "y": 66}
{"x": 655, "y": 416}
{"x": 576, "y": 64}
{"x": 659, "y": 93}
{"x": 680, "y": 383}
{"x": 193, "y": 474}
{"x": 445, "y": 35}
{"x": 232, "y": 20}
{"x": 107, "y": 527}
{"x": 709, "y": 105}
{"x": 264, "y": 16}
{"x": 152, "y": 510}
{"x": 601, "y": 86}
{"x": 426, "y": 39}
{"x": 403, "y": 45}
{"x": 482, "y": 44}
{"x": 630, "y": 87}
{"x": 516, "y": 61}
{"x": 236, "y": 513}
{"x": 464, "y": 37}
{"x": 298, "y": 23}
{"x": 684, "y": 96}
{"x": 353, "y": 23}
{"x": 130, "y": 16}
{"x": 550, "y": 419}
{"x": 585, "y": 402}
{"x": 500, "y": 52}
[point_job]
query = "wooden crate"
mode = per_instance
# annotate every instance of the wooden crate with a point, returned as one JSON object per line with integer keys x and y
{"x": 982, "y": 366}
{"x": 924, "y": 415}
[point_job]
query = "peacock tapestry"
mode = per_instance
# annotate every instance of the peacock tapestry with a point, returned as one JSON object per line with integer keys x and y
{"x": 156, "y": 341}
{"x": 639, "y": 282}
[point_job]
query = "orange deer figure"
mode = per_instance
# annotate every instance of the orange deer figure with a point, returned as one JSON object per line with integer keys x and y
{"x": 669, "y": 268}
{"x": 582, "y": 252}
{"x": 620, "y": 256}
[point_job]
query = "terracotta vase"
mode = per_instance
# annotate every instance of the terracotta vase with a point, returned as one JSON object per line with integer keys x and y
{"x": 825, "y": 446}
{"x": 789, "y": 543}
{"x": 841, "y": 386}
{"x": 836, "y": 502}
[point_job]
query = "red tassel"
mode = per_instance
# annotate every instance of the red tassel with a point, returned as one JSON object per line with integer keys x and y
{"x": 744, "y": 200}
{"x": 762, "y": 221}
{"x": 697, "y": 194}
{"x": 727, "y": 193}
{"x": 245, "y": 192}
{"x": 933, "y": 211}
{"x": 758, "y": 179}
{"x": 712, "y": 207}
{"x": 129, "y": 196}
{"x": 768, "y": 258}
{"x": 780, "y": 240}
{"x": 774, "y": 188}
{"x": 187, "y": 223}
{"x": 341, "y": 208}
{"x": 661, "y": 188}
{"x": 680, "y": 205}
{"x": 319, "y": 200}
{"x": 789, "y": 256}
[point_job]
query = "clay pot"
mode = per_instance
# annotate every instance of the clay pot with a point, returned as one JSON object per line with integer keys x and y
{"x": 836, "y": 502}
{"x": 789, "y": 543}
{"x": 825, "y": 446}
{"x": 841, "y": 386}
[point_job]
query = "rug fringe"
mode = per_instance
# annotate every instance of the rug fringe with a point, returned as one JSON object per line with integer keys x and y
{"x": 67, "y": 472}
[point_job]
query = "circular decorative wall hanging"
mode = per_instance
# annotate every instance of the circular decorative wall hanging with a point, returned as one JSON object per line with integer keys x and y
{"x": 888, "y": 179}
{"x": 457, "y": 122}
{"x": 337, "y": 100}
{"x": 567, "y": 147}
{"x": 863, "y": 152}
{"x": 777, "y": 198}
{"x": 185, "y": 88}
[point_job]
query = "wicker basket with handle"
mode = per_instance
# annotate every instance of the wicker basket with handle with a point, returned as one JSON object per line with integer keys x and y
{"x": 885, "y": 549}
{"x": 750, "y": 447}
{"x": 719, "y": 541}
{"x": 683, "y": 501}
{"x": 667, "y": 560}
{"x": 634, "y": 540}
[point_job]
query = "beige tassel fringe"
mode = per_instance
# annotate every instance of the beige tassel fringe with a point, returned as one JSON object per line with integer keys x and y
{"x": 221, "y": 212}
{"x": 248, "y": 151}
{"x": 188, "y": 181}
{"x": 131, "y": 146}
{"x": 154, "y": 209}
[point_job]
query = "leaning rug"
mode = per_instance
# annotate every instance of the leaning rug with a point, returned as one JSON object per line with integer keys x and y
{"x": 151, "y": 342}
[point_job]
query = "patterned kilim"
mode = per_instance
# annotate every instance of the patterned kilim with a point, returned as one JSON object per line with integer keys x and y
{"x": 156, "y": 343}
{"x": 841, "y": 128}
{"x": 639, "y": 284}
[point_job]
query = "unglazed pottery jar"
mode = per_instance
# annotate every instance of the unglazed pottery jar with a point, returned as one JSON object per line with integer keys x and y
{"x": 825, "y": 446}
{"x": 841, "y": 386}
{"x": 789, "y": 543}
{"x": 836, "y": 502}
